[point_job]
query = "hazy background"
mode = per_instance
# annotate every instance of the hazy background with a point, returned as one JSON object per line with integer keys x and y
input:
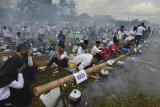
{"x": 123, "y": 9}
{"x": 33, "y": 10}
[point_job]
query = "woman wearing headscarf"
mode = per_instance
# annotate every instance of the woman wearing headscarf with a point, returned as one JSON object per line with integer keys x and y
{"x": 11, "y": 80}
{"x": 27, "y": 97}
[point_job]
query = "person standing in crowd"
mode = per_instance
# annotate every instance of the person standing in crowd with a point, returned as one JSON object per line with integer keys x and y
{"x": 28, "y": 31}
{"x": 12, "y": 81}
{"x": 6, "y": 34}
{"x": 48, "y": 30}
{"x": 139, "y": 33}
{"x": 24, "y": 31}
{"x": 120, "y": 35}
{"x": 105, "y": 38}
{"x": 95, "y": 48}
{"x": 41, "y": 33}
{"x": 61, "y": 38}
{"x": 149, "y": 32}
{"x": 18, "y": 36}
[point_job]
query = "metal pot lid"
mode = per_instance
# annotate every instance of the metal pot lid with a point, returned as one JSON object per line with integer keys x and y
{"x": 75, "y": 93}
{"x": 7, "y": 50}
{"x": 34, "y": 49}
{"x": 104, "y": 72}
{"x": 4, "y": 58}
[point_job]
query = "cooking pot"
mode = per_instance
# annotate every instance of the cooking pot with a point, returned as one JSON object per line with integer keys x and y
{"x": 104, "y": 73}
{"x": 4, "y": 58}
{"x": 75, "y": 96}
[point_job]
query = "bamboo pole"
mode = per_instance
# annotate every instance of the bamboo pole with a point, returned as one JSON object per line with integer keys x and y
{"x": 46, "y": 87}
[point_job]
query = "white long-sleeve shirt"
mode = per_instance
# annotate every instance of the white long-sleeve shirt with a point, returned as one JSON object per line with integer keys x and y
{"x": 6, "y": 33}
{"x": 42, "y": 31}
{"x": 80, "y": 51}
{"x": 75, "y": 49}
{"x": 110, "y": 43}
{"x": 64, "y": 55}
{"x": 95, "y": 50}
{"x": 120, "y": 34}
{"x": 30, "y": 61}
{"x": 140, "y": 30}
{"x": 5, "y": 92}
{"x": 84, "y": 60}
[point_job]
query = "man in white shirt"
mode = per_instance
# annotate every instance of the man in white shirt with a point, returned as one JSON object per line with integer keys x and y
{"x": 140, "y": 30}
{"x": 120, "y": 35}
{"x": 115, "y": 40}
{"x": 6, "y": 33}
{"x": 105, "y": 38}
{"x": 132, "y": 34}
{"x": 49, "y": 30}
{"x": 18, "y": 40}
{"x": 24, "y": 31}
{"x": 82, "y": 49}
{"x": 63, "y": 58}
{"x": 41, "y": 33}
{"x": 85, "y": 60}
{"x": 110, "y": 43}
{"x": 95, "y": 48}
{"x": 75, "y": 48}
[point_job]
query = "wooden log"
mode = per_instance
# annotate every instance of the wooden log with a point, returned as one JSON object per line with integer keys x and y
{"x": 46, "y": 87}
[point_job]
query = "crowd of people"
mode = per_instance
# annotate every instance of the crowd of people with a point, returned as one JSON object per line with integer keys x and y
{"x": 17, "y": 73}
{"x": 121, "y": 43}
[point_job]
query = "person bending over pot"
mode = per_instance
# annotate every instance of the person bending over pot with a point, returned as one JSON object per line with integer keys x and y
{"x": 85, "y": 61}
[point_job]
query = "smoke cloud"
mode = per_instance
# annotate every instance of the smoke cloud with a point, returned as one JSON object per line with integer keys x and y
{"x": 140, "y": 75}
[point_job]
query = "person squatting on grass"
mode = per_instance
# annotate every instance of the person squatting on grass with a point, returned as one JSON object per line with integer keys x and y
{"x": 12, "y": 81}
